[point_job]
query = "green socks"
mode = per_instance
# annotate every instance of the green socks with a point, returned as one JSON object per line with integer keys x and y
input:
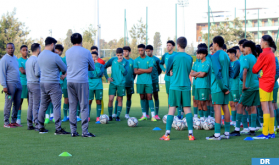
{"x": 238, "y": 120}
{"x": 99, "y": 108}
{"x": 115, "y": 106}
{"x": 65, "y": 109}
{"x": 189, "y": 119}
{"x": 277, "y": 116}
{"x": 48, "y": 109}
{"x": 147, "y": 107}
{"x": 89, "y": 109}
{"x": 143, "y": 107}
{"x": 244, "y": 121}
{"x": 156, "y": 107}
{"x": 19, "y": 114}
{"x": 258, "y": 121}
{"x": 233, "y": 115}
{"x": 212, "y": 111}
{"x": 110, "y": 111}
{"x": 128, "y": 106}
{"x": 169, "y": 122}
{"x": 205, "y": 113}
{"x": 227, "y": 127}
{"x": 78, "y": 109}
{"x": 151, "y": 106}
{"x": 195, "y": 110}
{"x": 217, "y": 128}
{"x": 201, "y": 113}
{"x": 249, "y": 117}
{"x": 253, "y": 120}
{"x": 119, "y": 109}
{"x": 260, "y": 112}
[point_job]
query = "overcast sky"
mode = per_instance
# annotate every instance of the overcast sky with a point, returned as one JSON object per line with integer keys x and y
{"x": 60, "y": 15}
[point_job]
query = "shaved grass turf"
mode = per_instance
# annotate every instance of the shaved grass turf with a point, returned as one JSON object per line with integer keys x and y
{"x": 116, "y": 143}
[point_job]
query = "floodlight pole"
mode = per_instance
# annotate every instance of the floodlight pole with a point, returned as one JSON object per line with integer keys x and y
{"x": 208, "y": 33}
{"x": 124, "y": 27}
{"x": 146, "y": 37}
{"x": 176, "y": 26}
{"x": 245, "y": 19}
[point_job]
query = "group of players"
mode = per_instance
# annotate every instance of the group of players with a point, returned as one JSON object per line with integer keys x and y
{"x": 236, "y": 76}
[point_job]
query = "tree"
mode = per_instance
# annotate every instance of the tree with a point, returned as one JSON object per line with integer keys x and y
{"x": 12, "y": 30}
{"x": 138, "y": 32}
{"x": 232, "y": 32}
{"x": 134, "y": 49}
{"x": 67, "y": 42}
{"x": 157, "y": 43}
{"x": 190, "y": 49}
{"x": 88, "y": 37}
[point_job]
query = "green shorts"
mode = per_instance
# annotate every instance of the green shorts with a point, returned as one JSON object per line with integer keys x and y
{"x": 275, "y": 93}
{"x": 119, "y": 90}
{"x": 98, "y": 94}
{"x": 220, "y": 98}
{"x": 240, "y": 89}
{"x": 178, "y": 98}
{"x": 201, "y": 94}
{"x": 144, "y": 89}
{"x": 130, "y": 90}
{"x": 193, "y": 90}
{"x": 24, "y": 93}
{"x": 250, "y": 98}
{"x": 167, "y": 86}
{"x": 65, "y": 93}
{"x": 234, "y": 96}
{"x": 156, "y": 87}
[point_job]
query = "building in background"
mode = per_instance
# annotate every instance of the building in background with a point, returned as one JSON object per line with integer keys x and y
{"x": 262, "y": 19}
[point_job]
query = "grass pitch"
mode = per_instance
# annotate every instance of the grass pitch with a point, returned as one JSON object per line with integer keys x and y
{"x": 116, "y": 143}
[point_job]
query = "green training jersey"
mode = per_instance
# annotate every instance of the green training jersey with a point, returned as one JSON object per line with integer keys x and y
{"x": 194, "y": 68}
{"x": 220, "y": 72}
{"x": 164, "y": 61}
{"x": 208, "y": 59}
{"x": 64, "y": 86}
{"x": 252, "y": 81}
{"x": 118, "y": 70}
{"x": 61, "y": 81}
{"x": 130, "y": 75}
{"x": 21, "y": 64}
{"x": 277, "y": 73}
{"x": 95, "y": 77}
{"x": 156, "y": 70}
{"x": 202, "y": 82}
{"x": 180, "y": 64}
{"x": 234, "y": 82}
{"x": 143, "y": 63}
{"x": 241, "y": 67}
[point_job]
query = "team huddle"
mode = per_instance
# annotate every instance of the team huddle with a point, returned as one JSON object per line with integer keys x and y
{"x": 244, "y": 76}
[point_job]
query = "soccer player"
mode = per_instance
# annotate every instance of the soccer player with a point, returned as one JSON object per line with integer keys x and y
{"x": 33, "y": 84}
{"x": 59, "y": 50}
{"x": 95, "y": 49}
{"x": 156, "y": 71}
{"x": 10, "y": 80}
{"x": 275, "y": 92}
{"x": 234, "y": 84}
{"x": 224, "y": 47}
{"x": 220, "y": 87}
{"x": 250, "y": 89}
{"x": 179, "y": 68}
{"x": 50, "y": 65}
{"x": 21, "y": 64}
{"x": 266, "y": 68}
{"x": 194, "y": 69}
{"x": 143, "y": 68}
{"x": 201, "y": 76}
{"x": 212, "y": 51}
{"x": 119, "y": 69}
{"x": 79, "y": 62}
{"x": 164, "y": 61}
{"x": 129, "y": 82}
{"x": 96, "y": 86}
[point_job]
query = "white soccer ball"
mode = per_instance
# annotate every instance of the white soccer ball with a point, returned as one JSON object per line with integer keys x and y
{"x": 180, "y": 125}
{"x": 195, "y": 119}
{"x": 165, "y": 119}
{"x": 132, "y": 122}
{"x": 185, "y": 121}
{"x": 104, "y": 119}
{"x": 197, "y": 125}
{"x": 205, "y": 125}
{"x": 173, "y": 123}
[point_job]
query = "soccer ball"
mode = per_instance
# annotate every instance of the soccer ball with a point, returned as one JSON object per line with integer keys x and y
{"x": 211, "y": 125}
{"x": 205, "y": 125}
{"x": 104, "y": 119}
{"x": 165, "y": 119}
{"x": 185, "y": 121}
{"x": 197, "y": 125}
{"x": 195, "y": 119}
{"x": 174, "y": 123}
{"x": 132, "y": 122}
{"x": 180, "y": 125}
